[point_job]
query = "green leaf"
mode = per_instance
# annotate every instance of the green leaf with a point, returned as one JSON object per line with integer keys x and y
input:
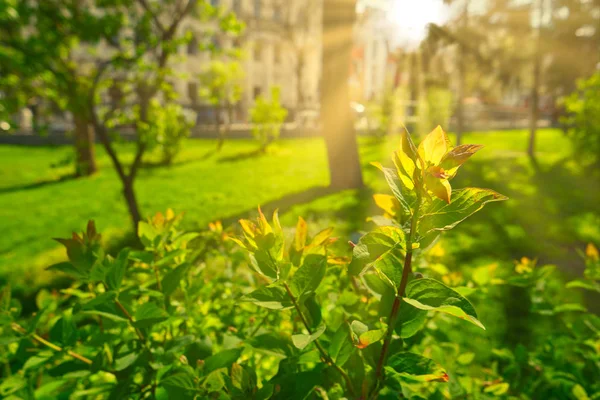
{"x": 116, "y": 270}
{"x": 393, "y": 181}
{"x": 302, "y": 340}
{"x": 100, "y": 300}
{"x": 274, "y": 297}
{"x": 431, "y": 295}
{"x": 382, "y": 249}
{"x": 179, "y": 385}
{"x": 366, "y": 337}
{"x": 410, "y": 321}
{"x": 173, "y": 278}
{"x": 69, "y": 269}
{"x": 149, "y": 314}
{"x": 313, "y": 309}
{"x": 584, "y": 284}
{"x": 465, "y": 358}
{"x": 36, "y": 361}
{"x": 441, "y": 216}
{"x": 104, "y": 314}
{"x": 64, "y": 330}
{"x": 341, "y": 347}
{"x": 126, "y": 361}
{"x": 223, "y": 359}
{"x": 276, "y": 344}
{"x": 579, "y": 392}
{"x": 497, "y": 389}
{"x": 308, "y": 277}
{"x": 263, "y": 263}
{"x": 415, "y": 367}
{"x": 147, "y": 233}
{"x": 215, "y": 380}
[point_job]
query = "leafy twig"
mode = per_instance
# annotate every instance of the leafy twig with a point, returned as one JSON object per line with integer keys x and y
{"x": 18, "y": 328}
{"x": 407, "y": 269}
{"x": 323, "y": 352}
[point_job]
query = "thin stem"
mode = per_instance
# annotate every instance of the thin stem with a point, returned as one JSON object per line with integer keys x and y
{"x": 130, "y": 318}
{"x": 323, "y": 352}
{"x": 407, "y": 269}
{"x": 258, "y": 325}
{"x": 38, "y": 338}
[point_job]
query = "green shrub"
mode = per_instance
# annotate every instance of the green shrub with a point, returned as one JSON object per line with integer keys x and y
{"x": 267, "y": 117}
{"x": 167, "y": 129}
{"x": 583, "y": 117}
{"x": 271, "y": 314}
{"x": 222, "y": 87}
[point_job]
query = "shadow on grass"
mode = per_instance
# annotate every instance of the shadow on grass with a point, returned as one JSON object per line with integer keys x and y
{"x": 36, "y": 185}
{"x": 284, "y": 203}
{"x": 242, "y": 156}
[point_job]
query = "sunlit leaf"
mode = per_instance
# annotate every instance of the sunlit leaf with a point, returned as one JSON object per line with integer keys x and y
{"x": 302, "y": 340}
{"x": 434, "y": 146}
{"x": 273, "y": 297}
{"x": 383, "y": 249}
{"x": 309, "y": 276}
{"x": 458, "y": 156}
{"x": 414, "y": 367}
{"x": 431, "y": 295}
{"x": 441, "y": 216}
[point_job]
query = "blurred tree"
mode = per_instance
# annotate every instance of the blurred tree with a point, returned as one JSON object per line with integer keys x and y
{"x": 583, "y": 119}
{"x": 267, "y": 117}
{"x": 336, "y": 116}
{"x": 105, "y": 62}
{"x": 222, "y": 87}
{"x": 157, "y": 34}
{"x": 45, "y": 45}
{"x": 461, "y": 60}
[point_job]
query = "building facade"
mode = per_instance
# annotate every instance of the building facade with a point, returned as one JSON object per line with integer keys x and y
{"x": 280, "y": 46}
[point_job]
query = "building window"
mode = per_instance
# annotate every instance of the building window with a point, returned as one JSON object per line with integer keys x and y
{"x": 237, "y": 6}
{"x": 257, "y": 92}
{"x": 216, "y": 43}
{"x": 192, "y": 88}
{"x": 192, "y": 47}
{"x": 257, "y": 10}
{"x": 277, "y": 55}
{"x": 257, "y": 51}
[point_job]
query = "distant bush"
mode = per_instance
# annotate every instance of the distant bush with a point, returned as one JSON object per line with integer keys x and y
{"x": 222, "y": 86}
{"x": 166, "y": 129}
{"x": 583, "y": 117}
{"x": 435, "y": 108}
{"x": 267, "y": 117}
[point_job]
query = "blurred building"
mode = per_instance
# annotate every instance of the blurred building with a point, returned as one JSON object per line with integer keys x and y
{"x": 370, "y": 56}
{"x": 281, "y": 46}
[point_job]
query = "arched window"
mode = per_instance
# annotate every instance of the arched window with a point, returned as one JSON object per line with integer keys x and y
{"x": 192, "y": 47}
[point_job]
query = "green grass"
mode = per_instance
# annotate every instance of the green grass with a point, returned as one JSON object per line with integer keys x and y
{"x": 553, "y": 207}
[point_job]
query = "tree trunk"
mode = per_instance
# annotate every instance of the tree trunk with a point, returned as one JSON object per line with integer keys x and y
{"x": 336, "y": 116}
{"x": 218, "y": 127}
{"x": 535, "y": 88}
{"x": 132, "y": 205}
{"x": 299, "y": 87}
{"x": 462, "y": 72}
{"x": 85, "y": 158}
{"x": 460, "y": 94}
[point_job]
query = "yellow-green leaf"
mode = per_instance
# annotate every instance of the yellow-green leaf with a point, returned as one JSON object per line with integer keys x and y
{"x": 435, "y": 145}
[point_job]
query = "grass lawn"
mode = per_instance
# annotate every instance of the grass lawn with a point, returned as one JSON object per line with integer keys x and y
{"x": 554, "y": 205}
